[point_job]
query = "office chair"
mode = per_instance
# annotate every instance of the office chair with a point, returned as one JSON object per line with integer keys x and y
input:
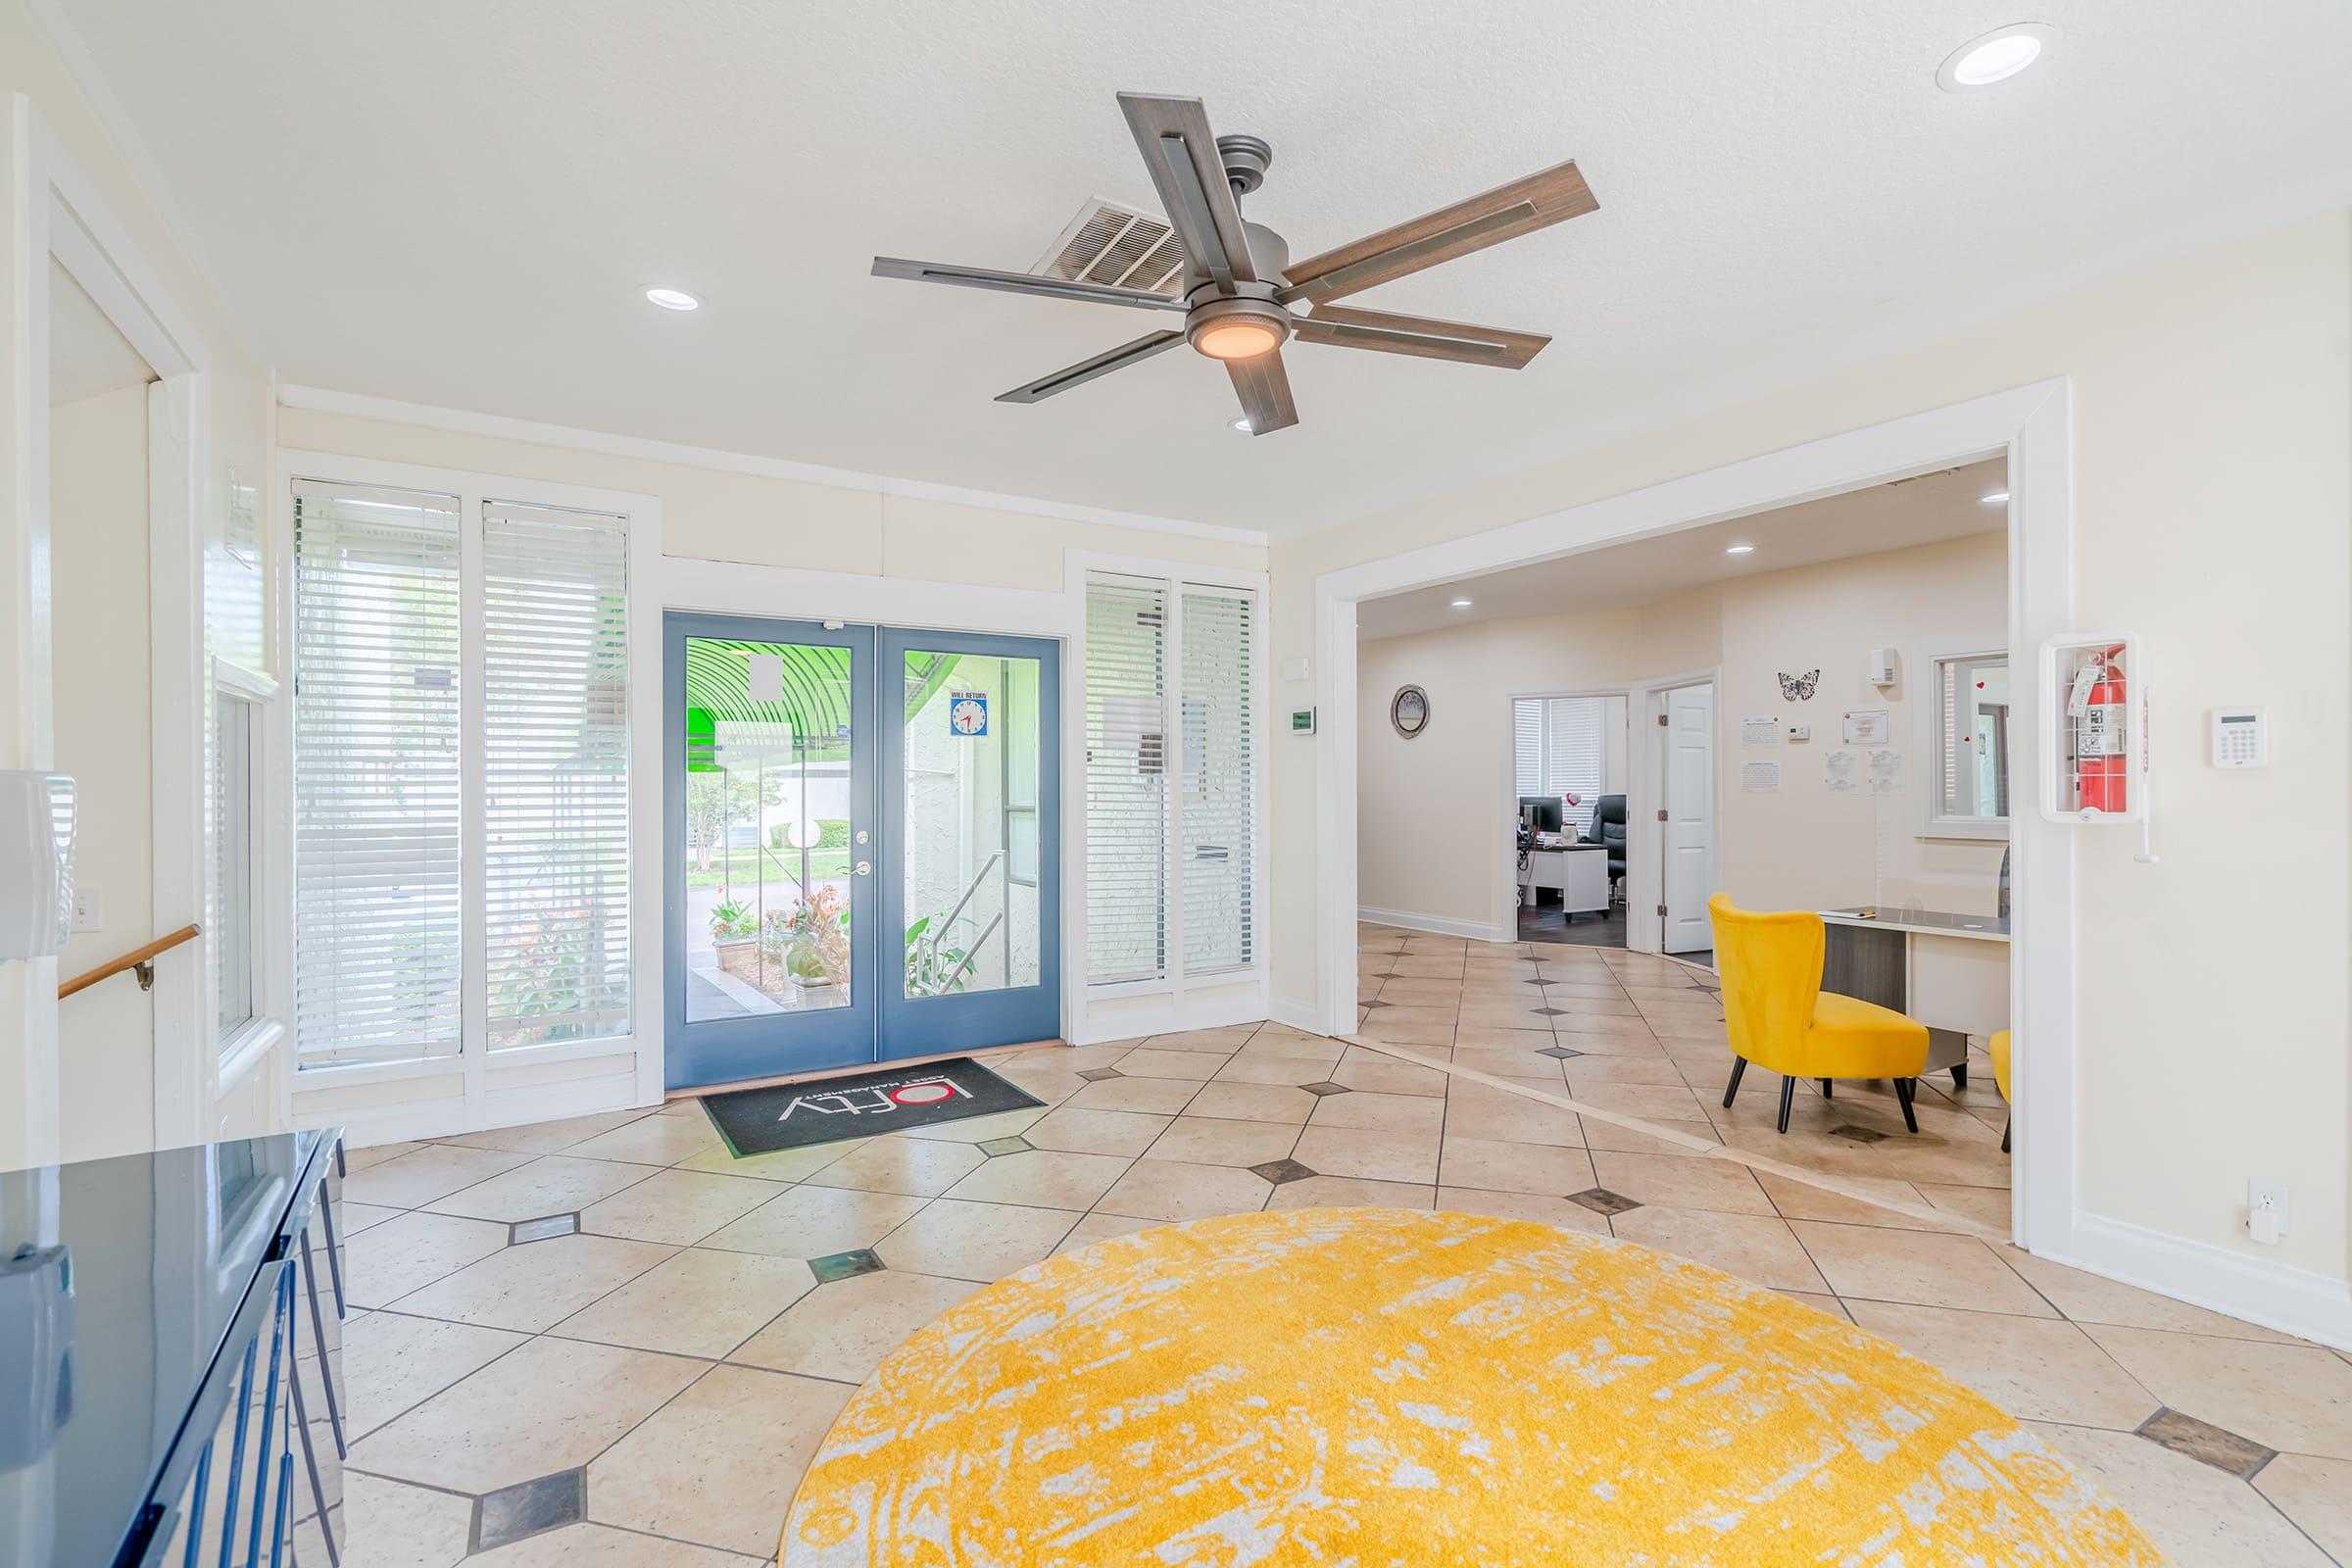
{"x": 1608, "y": 827}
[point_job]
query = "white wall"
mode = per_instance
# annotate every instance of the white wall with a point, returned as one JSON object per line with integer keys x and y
{"x": 2212, "y": 399}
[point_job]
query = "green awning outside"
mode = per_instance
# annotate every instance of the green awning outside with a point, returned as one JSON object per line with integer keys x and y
{"x": 815, "y": 701}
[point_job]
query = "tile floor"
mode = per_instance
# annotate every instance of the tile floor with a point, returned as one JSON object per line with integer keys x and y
{"x": 644, "y": 1392}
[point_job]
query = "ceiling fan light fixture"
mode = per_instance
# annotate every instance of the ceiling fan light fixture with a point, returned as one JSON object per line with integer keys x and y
{"x": 1236, "y": 339}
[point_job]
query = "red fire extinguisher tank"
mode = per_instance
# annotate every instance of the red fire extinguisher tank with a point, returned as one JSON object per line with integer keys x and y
{"x": 2100, "y": 763}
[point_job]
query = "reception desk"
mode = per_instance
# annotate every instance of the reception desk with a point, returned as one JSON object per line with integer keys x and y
{"x": 1949, "y": 971}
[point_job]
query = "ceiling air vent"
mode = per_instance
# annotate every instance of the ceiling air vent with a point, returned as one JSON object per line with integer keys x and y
{"x": 1108, "y": 243}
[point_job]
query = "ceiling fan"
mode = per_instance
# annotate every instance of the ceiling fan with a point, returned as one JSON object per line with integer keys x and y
{"x": 1242, "y": 296}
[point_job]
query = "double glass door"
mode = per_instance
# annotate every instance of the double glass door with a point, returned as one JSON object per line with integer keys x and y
{"x": 861, "y": 844}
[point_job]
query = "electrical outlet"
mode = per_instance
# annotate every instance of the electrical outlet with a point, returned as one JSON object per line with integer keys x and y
{"x": 89, "y": 909}
{"x": 2260, "y": 1195}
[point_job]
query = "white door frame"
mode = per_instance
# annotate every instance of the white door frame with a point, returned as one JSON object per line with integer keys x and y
{"x": 1505, "y": 917}
{"x": 51, "y": 210}
{"x": 2033, "y": 427}
{"x": 1658, "y": 697}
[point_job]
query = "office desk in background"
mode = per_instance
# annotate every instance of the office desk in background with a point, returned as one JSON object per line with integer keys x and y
{"x": 1580, "y": 871}
{"x": 1949, "y": 971}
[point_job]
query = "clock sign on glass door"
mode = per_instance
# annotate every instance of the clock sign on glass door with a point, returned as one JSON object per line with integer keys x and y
{"x": 967, "y": 714}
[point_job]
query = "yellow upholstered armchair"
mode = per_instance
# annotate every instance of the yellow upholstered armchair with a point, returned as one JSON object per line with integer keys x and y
{"x": 1999, "y": 1050}
{"x": 1779, "y": 1016}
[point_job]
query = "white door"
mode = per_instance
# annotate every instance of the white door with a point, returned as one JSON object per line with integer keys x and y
{"x": 1689, "y": 776}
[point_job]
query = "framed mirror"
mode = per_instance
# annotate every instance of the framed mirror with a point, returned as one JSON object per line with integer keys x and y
{"x": 1409, "y": 710}
{"x": 1965, "y": 740}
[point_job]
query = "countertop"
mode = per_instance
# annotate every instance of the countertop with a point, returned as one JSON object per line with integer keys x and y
{"x": 1926, "y": 922}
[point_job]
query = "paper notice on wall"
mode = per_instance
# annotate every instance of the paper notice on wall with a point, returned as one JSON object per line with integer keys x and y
{"x": 1867, "y": 726}
{"x": 763, "y": 678}
{"x": 1840, "y": 773}
{"x": 1759, "y": 778}
{"x": 1763, "y": 731}
{"x": 1886, "y": 773}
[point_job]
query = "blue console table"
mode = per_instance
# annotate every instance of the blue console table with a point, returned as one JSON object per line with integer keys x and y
{"x": 172, "y": 1358}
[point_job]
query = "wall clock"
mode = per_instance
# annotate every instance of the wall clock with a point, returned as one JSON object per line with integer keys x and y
{"x": 1409, "y": 710}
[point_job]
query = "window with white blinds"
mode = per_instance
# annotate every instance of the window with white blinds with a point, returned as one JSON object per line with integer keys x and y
{"x": 556, "y": 774}
{"x": 376, "y": 817}
{"x": 461, "y": 684}
{"x": 1126, "y": 779}
{"x": 1560, "y": 747}
{"x": 1217, "y": 631}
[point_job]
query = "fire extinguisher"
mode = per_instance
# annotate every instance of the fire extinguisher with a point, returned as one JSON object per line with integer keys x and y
{"x": 2101, "y": 764}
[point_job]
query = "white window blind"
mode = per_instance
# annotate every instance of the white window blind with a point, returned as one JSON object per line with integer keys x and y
{"x": 1526, "y": 733}
{"x": 377, "y": 821}
{"x": 1217, "y": 631}
{"x": 1560, "y": 748}
{"x": 1126, "y": 779}
{"x": 556, "y": 774}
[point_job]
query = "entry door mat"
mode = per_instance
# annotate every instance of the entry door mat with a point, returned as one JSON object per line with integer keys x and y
{"x": 860, "y": 1105}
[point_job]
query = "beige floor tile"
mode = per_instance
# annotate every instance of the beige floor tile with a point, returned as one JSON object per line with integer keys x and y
{"x": 1542, "y": 1207}
{"x": 1682, "y": 1181}
{"x": 1372, "y": 1111}
{"x": 2289, "y": 1397}
{"x": 653, "y": 1142}
{"x": 2196, "y": 1515}
{"x": 843, "y": 1330}
{"x": 1213, "y": 1140}
{"x": 1157, "y": 1097}
{"x": 783, "y": 1165}
{"x": 1167, "y": 1190}
{"x": 1532, "y": 1036}
{"x": 601, "y": 1546}
{"x": 1379, "y": 1156}
{"x": 549, "y": 1137}
{"x": 1253, "y": 1103}
{"x": 387, "y": 1261}
{"x": 678, "y": 1207}
{"x": 1661, "y": 1070}
{"x": 1755, "y": 1246}
{"x": 1379, "y": 1074}
{"x": 698, "y": 1302}
{"x": 1829, "y": 1304}
{"x": 1691, "y": 1029}
{"x": 1516, "y": 1015}
{"x": 1796, "y": 1199}
{"x": 534, "y": 1287}
{"x": 981, "y": 1241}
{"x": 389, "y": 1524}
{"x": 915, "y": 1166}
{"x": 718, "y": 1464}
{"x": 1650, "y": 1101}
{"x": 980, "y": 1129}
{"x": 365, "y": 1157}
{"x": 2317, "y": 1495}
{"x": 2089, "y": 1298}
{"x": 1410, "y": 1026}
{"x": 1510, "y": 1064}
{"x": 1671, "y": 1137}
{"x": 358, "y": 1217}
{"x": 1925, "y": 1267}
{"x": 1600, "y": 1023}
{"x": 1225, "y": 1042}
{"x": 1498, "y": 1167}
{"x": 548, "y": 1405}
{"x": 1413, "y": 992}
{"x": 1042, "y": 1178}
{"x": 1614, "y": 1044}
{"x": 1987, "y": 1205}
{"x": 2038, "y": 1369}
{"x": 1426, "y": 966}
{"x": 1101, "y": 1227}
{"x": 816, "y": 1222}
{"x": 1077, "y": 1130}
{"x": 417, "y": 1177}
{"x": 1051, "y": 1082}
{"x": 552, "y": 1184}
{"x": 1154, "y": 1063}
{"x": 1088, "y": 1059}
{"x": 1276, "y": 1069}
{"x": 1346, "y": 1191}
{"x": 1476, "y": 1111}
{"x": 392, "y": 1361}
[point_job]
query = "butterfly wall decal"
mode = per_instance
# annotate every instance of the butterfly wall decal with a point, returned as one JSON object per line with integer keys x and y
{"x": 1799, "y": 688}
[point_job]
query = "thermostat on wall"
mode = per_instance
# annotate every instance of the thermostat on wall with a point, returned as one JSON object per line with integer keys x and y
{"x": 2241, "y": 738}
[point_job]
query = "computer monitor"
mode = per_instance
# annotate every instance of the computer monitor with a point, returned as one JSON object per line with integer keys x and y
{"x": 1539, "y": 813}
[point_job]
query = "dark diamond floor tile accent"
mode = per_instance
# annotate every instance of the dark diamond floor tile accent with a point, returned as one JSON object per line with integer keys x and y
{"x": 1325, "y": 1088}
{"x": 1558, "y": 1053}
{"x": 1552, "y": 1012}
{"x": 1015, "y": 1145}
{"x": 1858, "y": 1135}
{"x": 545, "y": 1228}
{"x": 1538, "y": 981}
{"x": 1600, "y": 1201}
{"x": 531, "y": 1509}
{"x": 2206, "y": 1442}
{"x": 1095, "y": 1076}
{"x": 1375, "y": 1003}
{"x": 845, "y": 1266}
{"x": 1278, "y": 1171}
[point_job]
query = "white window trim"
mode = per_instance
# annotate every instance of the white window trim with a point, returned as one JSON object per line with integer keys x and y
{"x": 1925, "y": 705}
{"x": 483, "y": 1096}
{"x": 252, "y": 1045}
{"x": 1176, "y": 1000}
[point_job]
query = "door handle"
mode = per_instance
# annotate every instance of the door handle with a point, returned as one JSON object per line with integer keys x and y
{"x": 865, "y": 868}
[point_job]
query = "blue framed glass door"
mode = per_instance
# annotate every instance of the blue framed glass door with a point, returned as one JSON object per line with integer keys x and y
{"x": 971, "y": 853}
{"x": 768, "y": 821}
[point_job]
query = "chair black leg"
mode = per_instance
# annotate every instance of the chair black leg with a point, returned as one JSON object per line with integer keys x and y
{"x": 1739, "y": 1066}
{"x": 1788, "y": 1101}
{"x": 2005, "y": 1134}
{"x": 1902, "y": 1093}
{"x": 1960, "y": 1076}
{"x": 1825, "y": 1090}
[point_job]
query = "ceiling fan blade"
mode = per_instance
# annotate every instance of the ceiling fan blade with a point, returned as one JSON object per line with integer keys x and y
{"x": 1189, "y": 173}
{"x": 1344, "y": 327}
{"x": 1021, "y": 283}
{"x": 1505, "y": 212}
{"x": 1085, "y": 371}
{"x": 1264, "y": 387}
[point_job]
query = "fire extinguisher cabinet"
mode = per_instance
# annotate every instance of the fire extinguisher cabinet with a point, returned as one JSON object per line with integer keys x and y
{"x": 2095, "y": 756}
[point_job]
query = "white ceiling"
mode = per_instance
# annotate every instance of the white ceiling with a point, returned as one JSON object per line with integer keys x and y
{"x": 453, "y": 203}
{"x": 88, "y": 354}
{"x": 1888, "y": 517}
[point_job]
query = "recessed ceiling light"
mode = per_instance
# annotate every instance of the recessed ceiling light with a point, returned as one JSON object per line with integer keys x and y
{"x": 1995, "y": 498}
{"x": 1739, "y": 549}
{"x": 1242, "y": 426}
{"x": 1461, "y": 603}
{"x": 674, "y": 298}
{"x": 1995, "y": 57}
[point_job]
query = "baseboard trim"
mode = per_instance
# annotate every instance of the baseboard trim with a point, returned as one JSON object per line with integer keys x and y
{"x": 1439, "y": 926}
{"x": 1303, "y": 1016}
{"x": 2292, "y": 1300}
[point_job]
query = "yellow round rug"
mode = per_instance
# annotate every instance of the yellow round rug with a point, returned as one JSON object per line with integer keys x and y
{"x": 1376, "y": 1387}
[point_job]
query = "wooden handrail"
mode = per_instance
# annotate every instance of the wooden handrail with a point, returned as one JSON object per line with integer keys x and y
{"x": 139, "y": 959}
